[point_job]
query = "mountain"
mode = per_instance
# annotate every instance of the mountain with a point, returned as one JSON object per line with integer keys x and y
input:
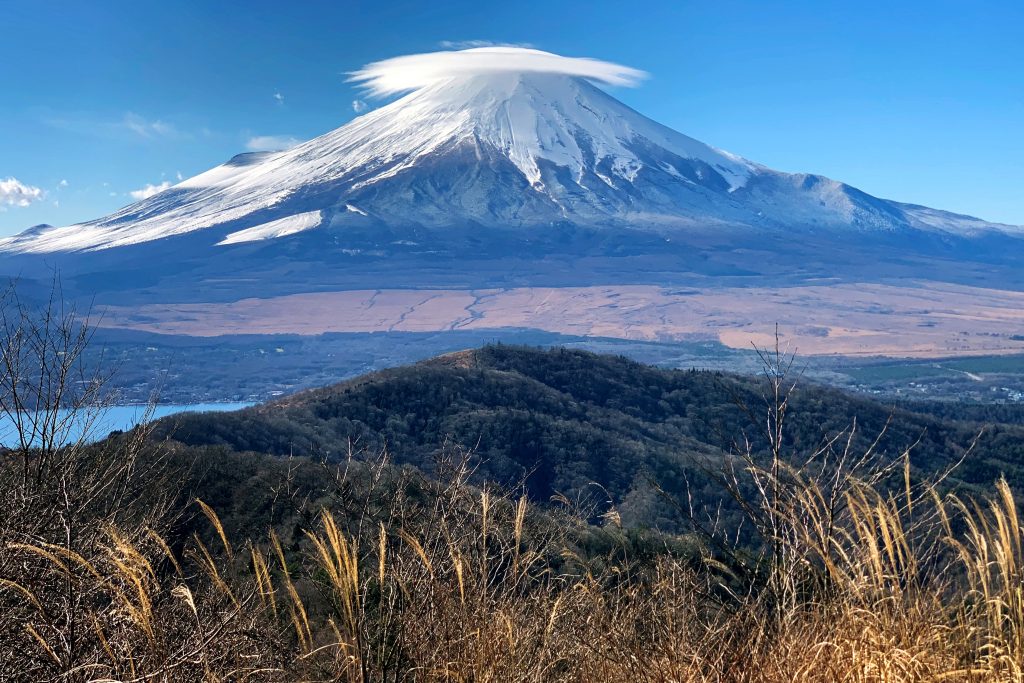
{"x": 590, "y": 427}
{"x": 502, "y": 150}
{"x": 466, "y": 201}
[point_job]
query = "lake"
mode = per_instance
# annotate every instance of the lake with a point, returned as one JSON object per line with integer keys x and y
{"x": 122, "y": 418}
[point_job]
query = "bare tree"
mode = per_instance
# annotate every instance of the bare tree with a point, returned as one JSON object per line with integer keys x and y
{"x": 59, "y": 492}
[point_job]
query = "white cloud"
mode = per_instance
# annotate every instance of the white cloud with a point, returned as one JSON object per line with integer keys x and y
{"x": 179, "y": 176}
{"x": 149, "y": 129}
{"x": 130, "y": 126}
{"x": 279, "y": 98}
{"x": 149, "y": 190}
{"x": 271, "y": 143}
{"x": 411, "y": 72}
{"x": 16, "y": 193}
{"x": 62, "y": 183}
{"x": 358, "y": 106}
{"x": 467, "y": 44}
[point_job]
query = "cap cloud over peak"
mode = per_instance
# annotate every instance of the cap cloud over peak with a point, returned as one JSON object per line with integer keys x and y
{"x": 412, "y": 72}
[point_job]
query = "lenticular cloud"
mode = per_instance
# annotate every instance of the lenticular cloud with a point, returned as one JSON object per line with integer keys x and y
{"x": 412, "y": 72}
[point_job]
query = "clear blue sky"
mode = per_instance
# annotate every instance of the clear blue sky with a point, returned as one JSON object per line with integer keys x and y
{"x": 921, "y": 101}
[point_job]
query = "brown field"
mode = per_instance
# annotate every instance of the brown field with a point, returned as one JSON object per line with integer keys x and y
{"x": 910, "y": 319}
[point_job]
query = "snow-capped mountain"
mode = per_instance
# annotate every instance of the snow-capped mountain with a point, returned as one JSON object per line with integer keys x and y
{"x": 499, "y": 150}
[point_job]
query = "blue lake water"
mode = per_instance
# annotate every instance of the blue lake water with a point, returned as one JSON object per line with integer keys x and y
{"x": 119, "y": 418}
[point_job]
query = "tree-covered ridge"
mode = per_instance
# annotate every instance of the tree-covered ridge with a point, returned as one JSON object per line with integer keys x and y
{"x": 140, "y": 558}
{"x": 596, "y": 428}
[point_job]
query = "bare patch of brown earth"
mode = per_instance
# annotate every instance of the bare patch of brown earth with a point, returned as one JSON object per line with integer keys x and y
{"x": 907, "y": 319}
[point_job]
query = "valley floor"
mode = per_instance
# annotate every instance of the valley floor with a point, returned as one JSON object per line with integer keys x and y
{"x": 918, "y": 319}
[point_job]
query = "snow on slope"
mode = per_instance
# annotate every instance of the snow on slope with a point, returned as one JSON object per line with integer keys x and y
{"x": 925, "y": 218}
{"x": 282, "y": 227}
{"x": 498, "y": 147}
{"x": 531, "y": 119}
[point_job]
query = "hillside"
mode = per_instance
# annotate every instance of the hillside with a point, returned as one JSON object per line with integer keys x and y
{"x": 165, "y": 558}
{"x": 593, "y": 428}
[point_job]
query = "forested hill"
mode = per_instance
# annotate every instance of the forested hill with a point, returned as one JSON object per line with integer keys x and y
{"x": 587, "y": 426}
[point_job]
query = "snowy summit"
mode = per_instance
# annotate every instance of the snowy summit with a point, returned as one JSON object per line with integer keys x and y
{"x": 493, "y": 139}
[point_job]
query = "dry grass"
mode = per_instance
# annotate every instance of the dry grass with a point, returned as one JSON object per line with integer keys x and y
{"x": 908, "y": 587}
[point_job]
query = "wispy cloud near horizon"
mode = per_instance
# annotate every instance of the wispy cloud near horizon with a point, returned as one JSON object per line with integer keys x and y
{"x": 469, "y": 44}
{"x": 129, "y": 126}
{"x": 149, "y": 191}
{"x": 149, "y": 129}
{"x": 271, "y": 143}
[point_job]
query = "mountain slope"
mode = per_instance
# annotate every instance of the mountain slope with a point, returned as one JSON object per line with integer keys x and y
{"x": 502, "y": 150}
{"x": 587, "y": 426}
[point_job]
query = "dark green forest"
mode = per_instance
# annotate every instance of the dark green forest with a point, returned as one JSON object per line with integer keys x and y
{"x": 603, "y": 432}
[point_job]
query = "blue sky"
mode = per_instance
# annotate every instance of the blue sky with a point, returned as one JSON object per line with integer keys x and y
{"x": 916, "y": 101}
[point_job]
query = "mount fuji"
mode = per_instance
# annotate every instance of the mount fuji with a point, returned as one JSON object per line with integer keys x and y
{"x": 495, "y": 150}
{"x": 499, "y": 168}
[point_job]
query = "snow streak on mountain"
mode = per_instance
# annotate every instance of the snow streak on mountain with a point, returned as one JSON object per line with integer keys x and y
{"x": 494, "y": 139}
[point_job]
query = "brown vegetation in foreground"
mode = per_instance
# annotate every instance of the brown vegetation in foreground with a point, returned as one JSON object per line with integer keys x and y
{"x": 885, "y": 590}
{"x": 853, "y": 579}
